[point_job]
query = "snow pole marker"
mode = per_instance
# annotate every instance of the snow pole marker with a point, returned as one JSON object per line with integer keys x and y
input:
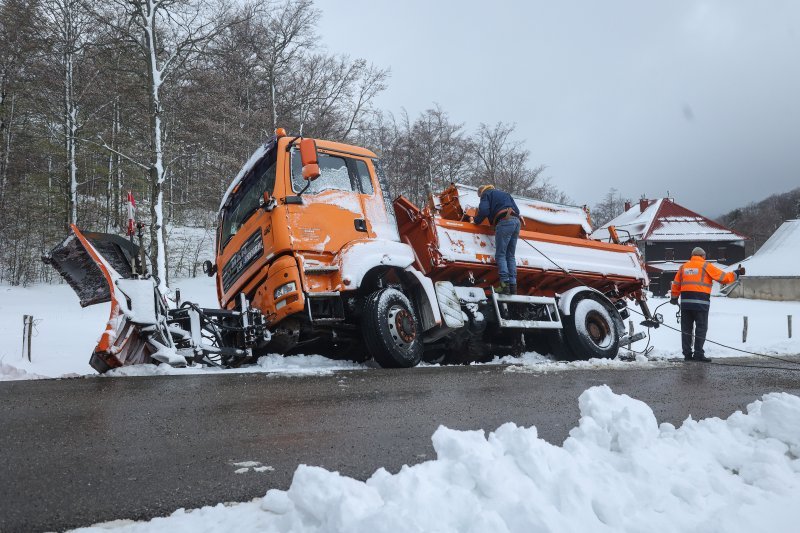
{"x": 27, "y": 333}
{"x": 744, "y": 330}
{"x": 789, "y": 324}
{"x": 131, "y": 205}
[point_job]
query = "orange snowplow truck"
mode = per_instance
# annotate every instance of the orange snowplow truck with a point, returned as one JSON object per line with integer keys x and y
{"x": 313, "y": 256}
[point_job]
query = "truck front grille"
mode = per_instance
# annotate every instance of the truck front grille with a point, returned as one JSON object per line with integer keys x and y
{"x": 252, "y": 249}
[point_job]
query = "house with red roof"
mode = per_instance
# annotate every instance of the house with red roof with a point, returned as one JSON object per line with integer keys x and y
{"x": 666, "y": 233}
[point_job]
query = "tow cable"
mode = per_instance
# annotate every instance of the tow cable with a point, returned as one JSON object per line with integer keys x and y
{"x": 658, "y": 320}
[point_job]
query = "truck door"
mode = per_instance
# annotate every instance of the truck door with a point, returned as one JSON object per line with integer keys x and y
{"x": 331, "y": 212}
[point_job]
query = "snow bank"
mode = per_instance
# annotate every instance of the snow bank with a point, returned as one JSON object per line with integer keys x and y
{"x": 617, "y": 471}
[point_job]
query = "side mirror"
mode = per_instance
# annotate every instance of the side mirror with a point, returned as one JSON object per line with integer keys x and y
{"x": 209, "y": 268}
{"x": 268, "y": 202}
{"x": 308, "y": 156}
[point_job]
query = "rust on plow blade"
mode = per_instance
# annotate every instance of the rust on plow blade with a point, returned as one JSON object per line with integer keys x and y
{"x": 141, "y": 328}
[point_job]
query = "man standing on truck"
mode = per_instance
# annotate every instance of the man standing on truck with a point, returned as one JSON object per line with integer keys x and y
{"x": 502, "y": 211}
{"x": 693, "y": 284}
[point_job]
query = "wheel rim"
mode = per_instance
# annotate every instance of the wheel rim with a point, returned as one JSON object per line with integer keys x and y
{"x": 401, "y": 327}
{"x": 599, "y": 329}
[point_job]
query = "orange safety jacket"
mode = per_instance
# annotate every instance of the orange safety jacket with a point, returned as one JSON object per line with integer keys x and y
{"x": 694, "y": 280}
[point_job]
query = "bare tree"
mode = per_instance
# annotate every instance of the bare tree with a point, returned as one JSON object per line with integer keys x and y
{"x": 18, "y": 46}
{"x": 168, "y": 34}
{"x": 611, "y": 206}
{"x": 290, "y": 32}
{"x": 504, "y": 162}
{"x": 70, "y": 24}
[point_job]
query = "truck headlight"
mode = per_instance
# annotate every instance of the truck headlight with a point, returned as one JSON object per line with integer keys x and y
{"x": 285, "y": 289}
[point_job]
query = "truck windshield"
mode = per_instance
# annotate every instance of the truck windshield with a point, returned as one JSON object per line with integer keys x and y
{"x": 249, "y": 197}
{"x": 336, "y": 173}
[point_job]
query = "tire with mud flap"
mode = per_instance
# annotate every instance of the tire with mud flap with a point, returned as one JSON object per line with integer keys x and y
{"x": 591, "y": 329}
{"x": 391, "y": 329}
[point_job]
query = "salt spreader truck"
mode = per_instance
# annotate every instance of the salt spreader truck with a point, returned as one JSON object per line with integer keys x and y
{"x": 314, "y": 256}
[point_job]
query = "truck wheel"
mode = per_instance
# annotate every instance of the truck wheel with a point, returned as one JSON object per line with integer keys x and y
{"x": 591, "y": 330}
{"x": 391, "y": 329}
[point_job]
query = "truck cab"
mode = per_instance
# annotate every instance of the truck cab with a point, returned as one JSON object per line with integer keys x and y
{"x": 295, "y": 246}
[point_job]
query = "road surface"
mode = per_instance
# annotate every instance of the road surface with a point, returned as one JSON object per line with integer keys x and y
{"x": 79, "y": 451}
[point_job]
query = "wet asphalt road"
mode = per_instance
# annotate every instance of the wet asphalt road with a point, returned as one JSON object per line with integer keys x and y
{"x": 78, "y": 451}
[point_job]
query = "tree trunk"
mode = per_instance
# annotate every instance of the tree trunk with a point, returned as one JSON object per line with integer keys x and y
{"x": 70, "y": 114}
{"x": 158, "y": 254}
{"x": 6, "y": 150}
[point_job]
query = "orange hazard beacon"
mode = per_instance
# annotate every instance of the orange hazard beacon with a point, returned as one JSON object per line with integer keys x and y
{"x": 315, "y": 255}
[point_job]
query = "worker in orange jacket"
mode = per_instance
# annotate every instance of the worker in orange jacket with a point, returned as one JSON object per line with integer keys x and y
{"x": 693, "y": 284}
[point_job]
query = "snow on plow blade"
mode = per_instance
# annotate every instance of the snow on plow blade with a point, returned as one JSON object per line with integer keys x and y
{"x": 98, "y": 267}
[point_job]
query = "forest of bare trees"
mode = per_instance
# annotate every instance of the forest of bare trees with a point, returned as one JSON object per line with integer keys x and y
{"x": 167, "y": 98}
{"x": 759, "y": 220}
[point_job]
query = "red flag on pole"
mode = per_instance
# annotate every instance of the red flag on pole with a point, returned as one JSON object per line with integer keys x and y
{"x": 131, "y": 214}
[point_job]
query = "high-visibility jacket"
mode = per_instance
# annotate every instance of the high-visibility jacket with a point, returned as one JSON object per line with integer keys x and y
{"x": 694, "y": 280}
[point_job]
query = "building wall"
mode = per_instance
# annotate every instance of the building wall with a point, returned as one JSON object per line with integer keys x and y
{"x": 767, "y": 288}
{"x": 682, "y": 251}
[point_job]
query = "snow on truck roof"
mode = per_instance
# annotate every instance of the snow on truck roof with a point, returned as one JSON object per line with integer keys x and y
{"x": 544, "y": 212}
{"x": 664, "y": 220}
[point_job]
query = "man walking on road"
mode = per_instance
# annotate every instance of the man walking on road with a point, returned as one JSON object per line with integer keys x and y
{"x": 693, "y": 284}
{"x": 502, "y": 211}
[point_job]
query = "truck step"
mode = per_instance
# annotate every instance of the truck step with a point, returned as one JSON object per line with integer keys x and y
{"x": 512, "y": 310}
{"x": 320, "y": 269}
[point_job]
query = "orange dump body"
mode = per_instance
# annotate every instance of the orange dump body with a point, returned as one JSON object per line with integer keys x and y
{"x": 449, "y": 248}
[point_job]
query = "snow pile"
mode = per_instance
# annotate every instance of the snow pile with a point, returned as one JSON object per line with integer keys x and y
{"x": 617, "y": 471}
{"x": 294, "y": 365}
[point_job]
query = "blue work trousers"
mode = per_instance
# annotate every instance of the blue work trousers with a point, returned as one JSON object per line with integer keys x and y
{"x": 506, "y": 233}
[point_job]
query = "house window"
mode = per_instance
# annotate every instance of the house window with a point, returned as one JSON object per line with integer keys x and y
{"x": 669, "y": 254}
{"x": 722, "y": 253}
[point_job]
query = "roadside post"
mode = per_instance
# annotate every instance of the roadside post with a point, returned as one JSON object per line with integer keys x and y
{"x": 27, "y": 329}
{"x": 744, "y": 330}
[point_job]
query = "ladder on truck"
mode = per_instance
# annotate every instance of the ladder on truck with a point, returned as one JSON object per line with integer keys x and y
{"x": 545, "y": 307}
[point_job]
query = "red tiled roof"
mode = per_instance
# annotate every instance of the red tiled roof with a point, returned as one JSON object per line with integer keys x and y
{"x": 664, "y": 220}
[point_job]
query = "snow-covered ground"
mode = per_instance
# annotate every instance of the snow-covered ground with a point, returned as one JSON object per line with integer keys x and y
{"x": 619, "y": 470}
{"x": 65, "y": 335}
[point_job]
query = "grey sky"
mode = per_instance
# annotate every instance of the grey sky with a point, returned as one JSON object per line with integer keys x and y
{"x": 698, "y": 98}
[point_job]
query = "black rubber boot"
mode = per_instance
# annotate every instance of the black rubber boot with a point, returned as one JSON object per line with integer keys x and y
{"x": 512, "y": 288}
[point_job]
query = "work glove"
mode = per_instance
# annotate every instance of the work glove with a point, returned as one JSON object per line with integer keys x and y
{"x": 673, "y": 301}
{"x": 740, "y": 271}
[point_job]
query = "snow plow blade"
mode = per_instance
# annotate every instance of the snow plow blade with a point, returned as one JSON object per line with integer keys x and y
{"x": 75, "y": 259}
{"x": 99, "y": 268}
{"x": 141, "y": 328}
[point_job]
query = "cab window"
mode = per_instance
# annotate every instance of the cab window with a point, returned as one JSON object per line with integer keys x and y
{"x": 248, "y": 198}
{"x": 337, "y": 173}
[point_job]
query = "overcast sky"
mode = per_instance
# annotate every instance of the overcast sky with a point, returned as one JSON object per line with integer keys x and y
{"x": 701, "y": 99}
